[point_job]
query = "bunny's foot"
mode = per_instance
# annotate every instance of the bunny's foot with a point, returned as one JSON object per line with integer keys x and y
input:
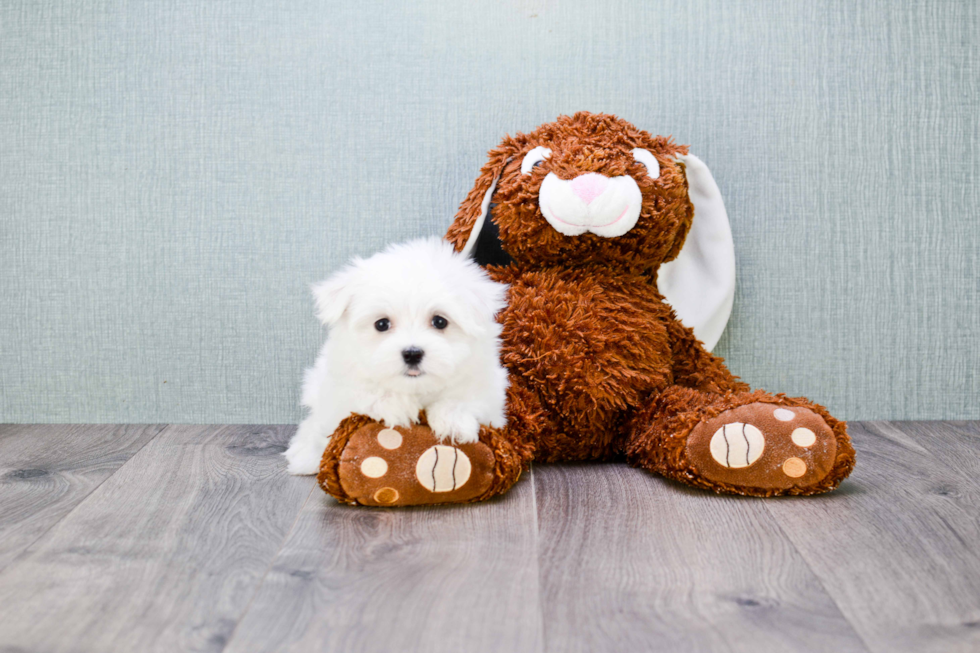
{"x": 370, "y": 464}
{"x": 743, "y": 443}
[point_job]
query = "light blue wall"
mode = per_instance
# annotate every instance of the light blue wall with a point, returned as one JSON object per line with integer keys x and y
{"x": 173, "y": 174}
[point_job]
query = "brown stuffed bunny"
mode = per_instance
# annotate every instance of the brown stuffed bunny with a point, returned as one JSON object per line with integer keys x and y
{"x": 578, "y": 216}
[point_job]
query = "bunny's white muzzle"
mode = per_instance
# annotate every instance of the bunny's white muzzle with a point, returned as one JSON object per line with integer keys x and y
{"x": 605, "y": 206}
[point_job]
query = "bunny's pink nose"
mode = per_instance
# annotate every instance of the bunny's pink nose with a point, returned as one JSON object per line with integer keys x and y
{"x": 590, "y": 186}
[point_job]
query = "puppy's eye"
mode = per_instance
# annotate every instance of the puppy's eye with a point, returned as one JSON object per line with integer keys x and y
{"x": 383, "y": 324}
{"x": 534, "y": 158}
{"x": 649, "y": 161}
{"x": 440, "y": 322}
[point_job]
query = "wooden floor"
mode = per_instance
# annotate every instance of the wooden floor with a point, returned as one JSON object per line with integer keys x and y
{"x": 174, "y": 538}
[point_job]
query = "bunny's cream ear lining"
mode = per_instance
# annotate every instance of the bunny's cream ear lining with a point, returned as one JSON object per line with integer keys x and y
{"x": 700, "y": 283}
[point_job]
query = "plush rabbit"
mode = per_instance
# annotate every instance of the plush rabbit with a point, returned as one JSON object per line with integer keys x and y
{"x": 616, "y": 248}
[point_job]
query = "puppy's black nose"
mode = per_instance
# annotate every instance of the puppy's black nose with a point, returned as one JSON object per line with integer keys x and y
{"x": 412, "y": 355}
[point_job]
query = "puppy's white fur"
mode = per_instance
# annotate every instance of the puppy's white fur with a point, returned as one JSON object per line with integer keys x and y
{"x": 459, "y": 381}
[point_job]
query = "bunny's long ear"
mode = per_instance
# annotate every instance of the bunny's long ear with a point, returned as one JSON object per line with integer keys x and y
{"x": 700, "y": 283}
{"x": 473, "y": 232}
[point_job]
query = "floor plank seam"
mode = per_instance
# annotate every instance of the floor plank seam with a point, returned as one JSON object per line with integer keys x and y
{"x": 29, "y": 547}
{"x": 823, "y": 585}
{"x": 537, "y": 556}
{"x": 265, "y": 574}
{"x": 926, "y": 445}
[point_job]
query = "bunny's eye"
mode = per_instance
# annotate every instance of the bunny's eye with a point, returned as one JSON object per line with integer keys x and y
{"x": 534, "y": 158}
{"x": 649, "y": 161}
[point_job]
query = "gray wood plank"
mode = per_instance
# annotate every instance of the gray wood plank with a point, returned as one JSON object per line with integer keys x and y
{"x": 165, "y": 555}
{"x": 47, "y": 470}
{"x": 956, "y": 444}
{"x": 444, "y": 578}
{"x": 897, "y": 544}
{"x": 632, "y": 562}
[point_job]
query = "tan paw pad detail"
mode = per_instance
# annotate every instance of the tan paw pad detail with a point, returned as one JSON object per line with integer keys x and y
{"x": 374, "y": 467}
{"x": 763, "y": 446}
{"x": 390, "y": 439}
{"x": 794, "y": 467}
{"x": 443, "y": 469}
{"x": 409, "y": 466}
{"x": 737, "y": 445}
{"x": 386, "y": 495}
{"x": 803, "y": 437}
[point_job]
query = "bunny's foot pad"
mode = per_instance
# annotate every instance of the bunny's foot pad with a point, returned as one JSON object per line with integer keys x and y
{"x": 381, "y": 466}
{"x": 764, "y": 446}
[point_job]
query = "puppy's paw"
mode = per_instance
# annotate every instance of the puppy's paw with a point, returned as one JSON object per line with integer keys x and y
{"x": 303, "y": 456}
{"x": 394, "y": 411}
{"x": 393, "y": 419}
{"x": 454, "y": 424}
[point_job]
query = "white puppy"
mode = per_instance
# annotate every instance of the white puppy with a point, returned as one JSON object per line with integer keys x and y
{"x": 411, "y": 328}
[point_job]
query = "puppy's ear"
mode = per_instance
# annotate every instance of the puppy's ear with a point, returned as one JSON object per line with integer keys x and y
{"x": 700, "y": 282}
{"x": 473, "y": 233}
{"x": 333, "y": 296}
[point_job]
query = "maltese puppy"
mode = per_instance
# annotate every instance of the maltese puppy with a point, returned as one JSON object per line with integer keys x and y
{"x": 410, "y": 328}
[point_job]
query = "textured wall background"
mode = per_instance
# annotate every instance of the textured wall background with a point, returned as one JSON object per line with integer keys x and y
{"x": 173, "y": 174}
